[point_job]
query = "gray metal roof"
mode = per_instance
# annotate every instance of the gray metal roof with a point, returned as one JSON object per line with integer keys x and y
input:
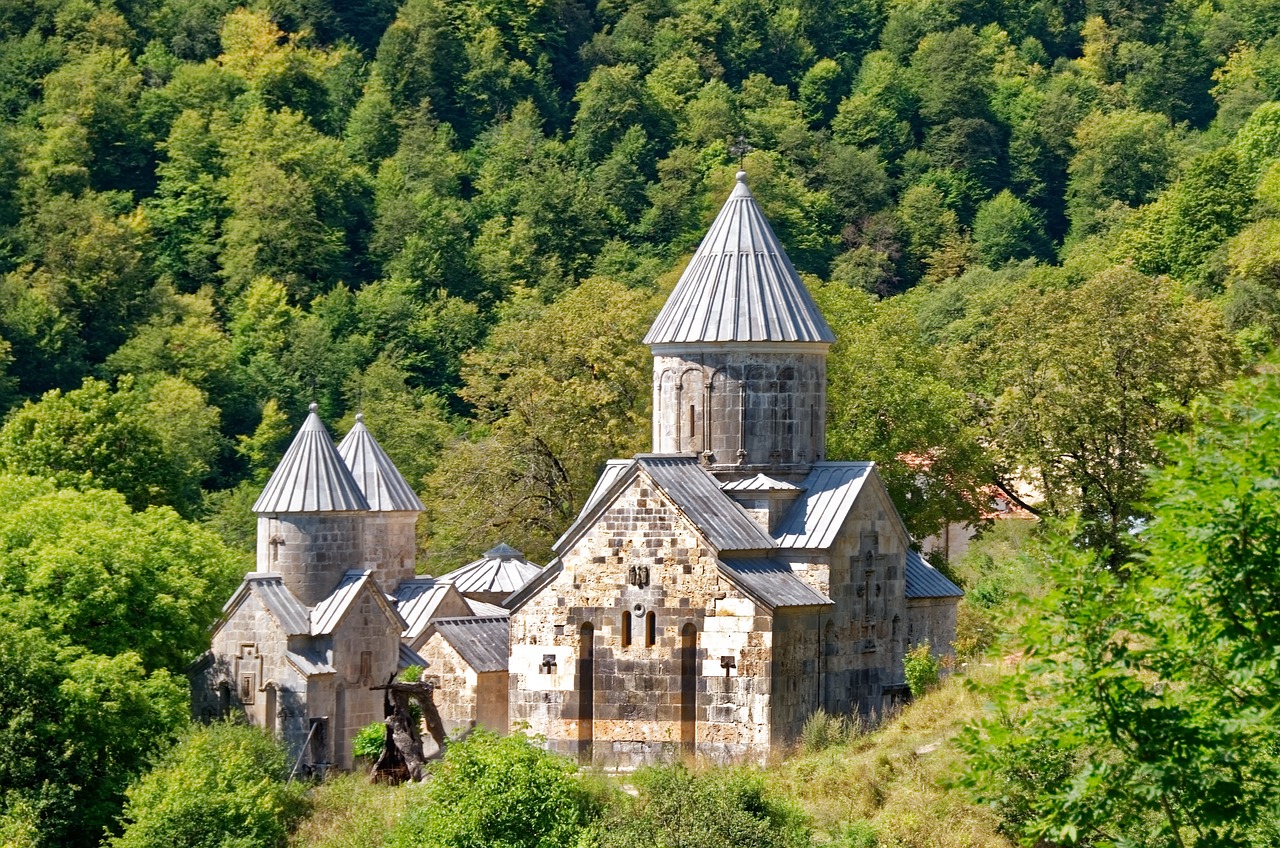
{"x": 613, "y": 469}
{"x": 417, "y": 601}
{"x": 311, "y": 477}
{"x": 484, "y": 643}
{"x": 501, "y": 569}
{"x": 760, "y": 483}
{"x": 409, "y": 657}
{"x": 697, "y": 493}
{"x": 279, "y": 601}
{"x": 485, "y": 610}
{"x": 310, "y": 661}
{"x": 817, "y": 516}
{"x": 925, "y": 581}
{"x": 328, "y": 614}
{"x": 772, "y": 583}
{"x": 740, "y": 286}
{"x": 383, "y": 485}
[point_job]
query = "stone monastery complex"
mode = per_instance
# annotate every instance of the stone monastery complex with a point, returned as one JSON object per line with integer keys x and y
{"x": 708, "y": 599}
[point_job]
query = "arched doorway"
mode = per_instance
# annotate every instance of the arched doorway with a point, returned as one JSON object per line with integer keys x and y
{"x": 586, "y": 689}
{"x": 688, "y": 688}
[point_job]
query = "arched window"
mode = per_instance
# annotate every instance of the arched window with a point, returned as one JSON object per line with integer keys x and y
{"x": 626, "y": 629}
{"x": 650, "y": 629}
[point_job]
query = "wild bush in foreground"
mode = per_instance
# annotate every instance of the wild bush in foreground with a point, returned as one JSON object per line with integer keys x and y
{"x": 498, "y": 792}
{"x": 222, "y": 786}
{"x": 710, "y": 810}
{"x": 921, "y": 668}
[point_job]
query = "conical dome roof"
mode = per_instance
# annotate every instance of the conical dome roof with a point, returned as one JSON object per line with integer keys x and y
{"x": 383, "y": 485}
{"x": 311, "y": 477}
{"x": 740, "y": 286}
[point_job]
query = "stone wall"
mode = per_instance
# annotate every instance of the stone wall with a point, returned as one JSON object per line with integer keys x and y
{"x": 848, "y": 658}
{"x": 390, "y": 546}
{"x": 592, "y": 674}
{"x": 249, "y": 674}
{"x": 749, "y": 409}
{"x": 366, "y": 652}
{"x": 456, "y": 683}
{"x": 932, "y": 620}
{"x": 311, "y": 552}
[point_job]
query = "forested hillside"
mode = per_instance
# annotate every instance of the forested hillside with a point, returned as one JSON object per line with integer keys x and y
{"x": 460, "y": 216}
{"x": 1042, "y": 229}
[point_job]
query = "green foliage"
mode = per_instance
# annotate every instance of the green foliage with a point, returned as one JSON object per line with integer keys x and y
{"x": 88, "y": 571}
{"x": 154, "y": 446}
{"x": 369, "y": 741}
{"x": 1103, "y": 371}
{"x": 721, "y": 807}
{"x": 1007, "y": 230}
{"x": 921, "y": 667}
{"x": 501, "y": 791}
{"x": 562, "y": 388}
{"x": 222, "y": 784}
{"x": 78, "y": 726}
{"x": 1148, "y": 711}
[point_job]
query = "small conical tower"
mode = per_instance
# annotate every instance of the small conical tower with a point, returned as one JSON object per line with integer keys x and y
{"x": 740, "y": 353}
{"x": 311, "y": 516}
{"x": 390, "y": 537}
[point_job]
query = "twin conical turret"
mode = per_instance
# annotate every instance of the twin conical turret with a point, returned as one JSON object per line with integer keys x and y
{"x": 328, "y": 509}
{"x": 739, "y": 370}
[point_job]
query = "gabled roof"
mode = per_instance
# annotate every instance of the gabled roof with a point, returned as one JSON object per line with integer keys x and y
{"x": 418, "y": 599}
{"x": 693, "y": 490}
{"x": 279, "y": 602}
{"x": 328, "y": 614}
{"x": 817, "y": 516}
{"x": 501, "y": 569}
{"x": 483, "y": 643}
{"x": 613, "y": 469}
{"x": 740, "y": 286}
{"x": 925, "y": 581}
{"x": 760, "y": 483}
{"x": 697, "y": 494}
{"x": 311, "y": 477}
{"x": 772, "y": 583}
{"x": 383, "y": 485}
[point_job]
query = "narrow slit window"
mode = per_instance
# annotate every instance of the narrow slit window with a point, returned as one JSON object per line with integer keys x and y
{"x": 650, "y": 630}
{"x": 626, "y": 629}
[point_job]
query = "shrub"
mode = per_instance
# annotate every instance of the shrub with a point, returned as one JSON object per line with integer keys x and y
{"x": 921, "y": 669}
{"x": 222, "y": 785}
{"x": 824, "y": 730}
{"x": 711, "y": 810}
{"x": 369, "y": 740}
{"x": 502, "y": 792}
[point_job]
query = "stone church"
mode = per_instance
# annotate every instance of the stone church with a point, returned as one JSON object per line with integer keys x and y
{"x": 713, "y": 595}
{"x": 708, "y": 599}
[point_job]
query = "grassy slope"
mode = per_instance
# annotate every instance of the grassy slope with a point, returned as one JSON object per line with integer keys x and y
{"x": 888, "y": 788}
{"x": 873, "y": 790}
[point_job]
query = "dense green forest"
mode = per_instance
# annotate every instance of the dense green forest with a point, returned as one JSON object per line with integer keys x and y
{"x": 1042, "y": 229}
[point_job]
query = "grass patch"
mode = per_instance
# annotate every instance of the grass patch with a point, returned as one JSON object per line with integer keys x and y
{"x": 888, "y": 788}
{"x": 348, "y": 811}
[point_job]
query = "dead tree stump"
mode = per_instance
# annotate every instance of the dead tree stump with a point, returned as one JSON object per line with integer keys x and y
{"x": 402, "y": 755}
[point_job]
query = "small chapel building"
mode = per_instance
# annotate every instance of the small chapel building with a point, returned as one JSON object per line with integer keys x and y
{"x": 709, "y": 598}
